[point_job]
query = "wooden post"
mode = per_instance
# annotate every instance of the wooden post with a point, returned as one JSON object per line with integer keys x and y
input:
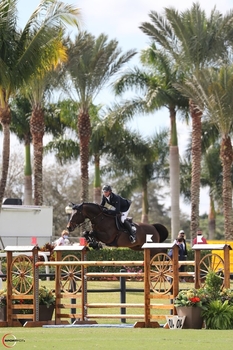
{"x": 35, "y": 285}
{"x": 197, "y": 282}
{"x": 9, "y": 289}
{"x": 175, "y": 267}
{"x": 58, "y": 294}
{"x": 147, "y": 287}
{"x": 84, "y": 285}
{"x": 226, "y": 252}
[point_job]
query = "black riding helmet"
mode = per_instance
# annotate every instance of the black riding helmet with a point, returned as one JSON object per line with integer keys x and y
{"x": 107, "y": 188}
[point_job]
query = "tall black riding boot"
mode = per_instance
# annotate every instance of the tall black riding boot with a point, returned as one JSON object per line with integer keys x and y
{"x": 130, "y": 230}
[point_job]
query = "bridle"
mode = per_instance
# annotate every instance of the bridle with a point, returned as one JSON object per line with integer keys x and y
{"x": 77, "y": 208}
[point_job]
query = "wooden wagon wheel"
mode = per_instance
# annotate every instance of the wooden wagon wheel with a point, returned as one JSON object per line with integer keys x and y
{"x": 22, "y": 274}
{"x": 211, "y": 262}
{"x": 161, "y": 280}
{"x": 70, "y": 275}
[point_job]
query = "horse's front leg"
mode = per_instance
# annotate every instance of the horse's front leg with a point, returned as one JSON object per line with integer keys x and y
{"x": 91, "y": 240}
{"x": 87, "y": 236}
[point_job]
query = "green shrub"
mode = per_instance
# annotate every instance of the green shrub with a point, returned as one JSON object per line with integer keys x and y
{"x": 114, "y": 254}
{"x": 218, "y": 315}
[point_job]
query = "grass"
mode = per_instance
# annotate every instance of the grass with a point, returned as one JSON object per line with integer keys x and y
{"x": 115, "y": 339}
{"x": 114, "y": 297}
{"x": 90, "y": 338}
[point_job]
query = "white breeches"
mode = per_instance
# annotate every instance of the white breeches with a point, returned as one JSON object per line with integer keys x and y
{"x": 124, "y": 215}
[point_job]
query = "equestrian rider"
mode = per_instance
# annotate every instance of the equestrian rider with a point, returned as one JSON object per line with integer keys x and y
{"x": 122, "y": 206}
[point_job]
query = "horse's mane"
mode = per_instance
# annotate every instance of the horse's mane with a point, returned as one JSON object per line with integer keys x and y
{"x": 93, "y": 204}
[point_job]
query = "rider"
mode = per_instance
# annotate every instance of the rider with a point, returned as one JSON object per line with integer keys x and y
{"x": 122, "y": 206}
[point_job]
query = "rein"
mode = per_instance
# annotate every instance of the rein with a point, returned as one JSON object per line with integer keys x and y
{"x": 90, "y": 219}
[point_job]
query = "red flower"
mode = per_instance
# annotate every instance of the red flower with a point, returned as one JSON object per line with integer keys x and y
{"x": 195, "y": 299}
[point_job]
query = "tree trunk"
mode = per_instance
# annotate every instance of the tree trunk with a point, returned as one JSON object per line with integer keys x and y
{"x": 97, "y": 188}
{"x": 27, "y": 176}
{"x": 226, "y": 158}
{"x": 196, "y": 115}
{"x": 175, "y": 191}
{"x": 145, "y": 205}
{"x": 212, "y": 219}
{"x": 5, "y": 119}
{"x": 37, "y": 131}
{"x": 84, "y": 132}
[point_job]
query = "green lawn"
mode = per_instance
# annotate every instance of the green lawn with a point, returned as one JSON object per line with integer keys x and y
{"x": 110, "y": 297}
{"x": 90, "y": 338}
{"x": 119, "y": 339}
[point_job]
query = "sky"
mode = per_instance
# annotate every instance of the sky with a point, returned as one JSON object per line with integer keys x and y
{"x": 120, "y": 19}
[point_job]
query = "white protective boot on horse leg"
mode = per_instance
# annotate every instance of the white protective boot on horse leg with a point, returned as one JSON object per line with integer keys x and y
{"x": 131, "y": 230}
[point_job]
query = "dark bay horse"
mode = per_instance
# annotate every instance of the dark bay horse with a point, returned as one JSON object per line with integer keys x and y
{"x": 107, "y": 230}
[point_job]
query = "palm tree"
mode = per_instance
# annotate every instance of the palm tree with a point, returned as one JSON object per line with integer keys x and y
{"x": 66, "y": 147}
{"x": 60, "y": 122}
{"x": 213, "y": 90}
{"x": 92, "y": 63}
{"x": 211, "y": 177}
{"x": 144, "y": 161}
{"x": 21, "y": 110}
{"x": 21, "y": 55}
{"x": 157, "y": 83}
{"x": 194, "y": 41}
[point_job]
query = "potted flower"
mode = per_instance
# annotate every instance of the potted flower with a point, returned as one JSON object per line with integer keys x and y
{"x": 219, "y": 311}
{"x": 46, "y": 303}
{"x": 46, "y": 296}
{"x": 191, "y": 303}
{"x": 3, "y": 305}
{"x": 212, "y": 304}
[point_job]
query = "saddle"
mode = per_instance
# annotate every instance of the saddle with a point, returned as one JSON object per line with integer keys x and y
{"x": 119, "y": 224}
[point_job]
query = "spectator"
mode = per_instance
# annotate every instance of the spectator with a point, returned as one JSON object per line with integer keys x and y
{"x": 199, "y": 239}
{"x": 178, "y": 241}
{"x": 63, "y": 240}
{"x": 181, "y": 236}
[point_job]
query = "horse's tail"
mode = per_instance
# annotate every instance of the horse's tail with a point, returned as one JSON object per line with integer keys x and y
{"x": 162, "y": 230}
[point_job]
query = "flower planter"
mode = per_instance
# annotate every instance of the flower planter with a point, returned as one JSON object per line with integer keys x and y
{"x": 3, "y": 313}
{"x": 45, "y": 314}
{"x": 193, "y": 318}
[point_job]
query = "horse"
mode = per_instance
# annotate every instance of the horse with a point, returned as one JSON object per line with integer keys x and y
{"x": 108, "y": 229}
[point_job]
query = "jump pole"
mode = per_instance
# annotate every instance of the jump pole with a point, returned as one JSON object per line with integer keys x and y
{"x": 147, "y": 281}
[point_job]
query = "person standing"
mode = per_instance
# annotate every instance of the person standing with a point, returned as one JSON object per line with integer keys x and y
{"x": 181, "y": 235}
{"x": 199, "y": 239}
{"x": 181, "y": 238}
{"x": 178, "y": 242}
{"x": 122, "y": 207}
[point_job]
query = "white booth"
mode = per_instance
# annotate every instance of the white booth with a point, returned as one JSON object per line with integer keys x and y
{"x": 23, "y": 225}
